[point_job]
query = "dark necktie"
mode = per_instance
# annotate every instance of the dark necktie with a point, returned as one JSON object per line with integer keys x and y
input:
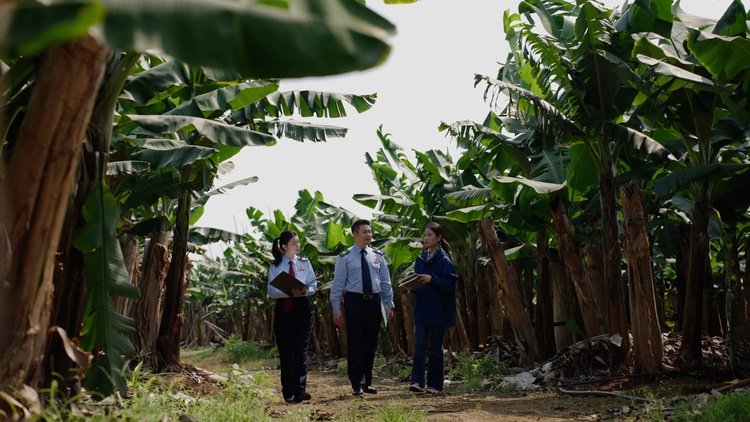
{"x": 366, "y": 280}
{"x": 287, "y": 307}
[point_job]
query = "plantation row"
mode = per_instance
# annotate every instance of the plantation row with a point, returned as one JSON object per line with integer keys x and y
{"x": 604, "y": 192}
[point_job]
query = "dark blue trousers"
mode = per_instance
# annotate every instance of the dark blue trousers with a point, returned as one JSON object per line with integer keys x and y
{"x": 363, "y": 318}
{"x": 293, "y": 330}
{"x": 431, "y": 337}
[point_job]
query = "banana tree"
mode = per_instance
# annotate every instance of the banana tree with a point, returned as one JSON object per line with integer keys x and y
{"x": 60, "y": 32}
{"x": 583, "y": 94}
{"x": 693, "y": 75}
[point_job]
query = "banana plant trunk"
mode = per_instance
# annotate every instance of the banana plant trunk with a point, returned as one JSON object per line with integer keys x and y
{"x": 647, "y": 345}
{"x": 544, "y": 320}
{"x": 593, "y": 316}
{"x": 130, "y": 249}
{"x": 168, "y": 342}
{"x": 564, "y": 305}
{"x": 519, "y": 318}
{"x": 34, "y": 196}
{"x": 147, "y": 310}
{"x": 407, "y": 307}
{"x": 692, "y": 321}
{"x": 497, "y": 313}
{"x": 616, "y": 316}
{"x": 484, "y": 288}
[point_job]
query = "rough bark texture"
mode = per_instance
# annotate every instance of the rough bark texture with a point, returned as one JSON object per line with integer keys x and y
{"x": 407, "y": 305}
{"x": 130, "y": 249}
{"x": 563, "y": 305}
{"x": 34, "y": 197}
{"x": 497, "y": 313}
{"x": 168, "y": 344}
{"x": 519, "y": 319}
{"x": 692, "y": 321}
{"x": 544, "y": 325}
{"x": 147, "y": 310}
{"x": 647, "y": 345}
{"x": 593, "y": 319}
{"x": 485, "y": 286}
{"x": 616, "y": 315}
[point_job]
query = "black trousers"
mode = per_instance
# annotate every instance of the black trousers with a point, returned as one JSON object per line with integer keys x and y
{"x": 363, "y": 318}
{"x": 293, "y": 330}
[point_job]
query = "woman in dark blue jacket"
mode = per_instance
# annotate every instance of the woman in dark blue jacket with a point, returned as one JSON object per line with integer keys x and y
{"x": 434, "y": 308}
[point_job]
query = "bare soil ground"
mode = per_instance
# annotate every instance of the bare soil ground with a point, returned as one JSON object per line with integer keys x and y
{"x": 332, "y": 400}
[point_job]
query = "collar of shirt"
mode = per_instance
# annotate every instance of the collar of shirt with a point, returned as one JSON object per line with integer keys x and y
{"x": 357, "y": 250}
{"x": 285, "y": 260}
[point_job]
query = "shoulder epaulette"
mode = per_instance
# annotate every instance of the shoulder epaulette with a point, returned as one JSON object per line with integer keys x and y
{"x": 377, "y": 251}
{"x": 302, "y": 258}
{"x": 345, "y": 252}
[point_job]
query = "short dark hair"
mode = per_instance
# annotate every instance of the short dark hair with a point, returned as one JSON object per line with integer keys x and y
{"x": 358, "y": 223}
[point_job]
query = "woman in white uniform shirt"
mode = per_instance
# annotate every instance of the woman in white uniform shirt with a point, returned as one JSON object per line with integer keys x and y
{"x": 292, "y": 324}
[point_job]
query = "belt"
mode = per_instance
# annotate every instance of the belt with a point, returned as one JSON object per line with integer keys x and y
{"x": 364, "y": 296}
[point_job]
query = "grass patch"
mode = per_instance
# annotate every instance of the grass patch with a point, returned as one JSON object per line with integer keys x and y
{"x": 475, "y": 369}
{"x": 727, "y": 408}
{"x": 397, "y": 412}
{"x": 236, "y": 350}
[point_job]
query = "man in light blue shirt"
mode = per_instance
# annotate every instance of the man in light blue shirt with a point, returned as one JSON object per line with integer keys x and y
{"x": 362, "y": 280}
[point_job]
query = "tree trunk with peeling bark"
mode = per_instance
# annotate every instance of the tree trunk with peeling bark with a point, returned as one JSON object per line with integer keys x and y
{"x": 130, "y": 250}
{"x": 647, "y": 344}
{"x": 593, "y": 316}
{"x": 146, "y": 311}
{"x": 34, "y": 197}
{"x": 168, "y": 343}
{"x": 519, "y": 319}
{"x": 690, "y": 353}
{"x": 564, "y": 304}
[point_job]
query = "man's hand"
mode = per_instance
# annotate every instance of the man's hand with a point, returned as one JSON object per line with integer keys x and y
{"x": 389, "y": 314}
{"x": 338, "y": 319}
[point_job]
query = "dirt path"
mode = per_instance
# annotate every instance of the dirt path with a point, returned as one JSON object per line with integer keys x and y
{"x": 332, "y": 400}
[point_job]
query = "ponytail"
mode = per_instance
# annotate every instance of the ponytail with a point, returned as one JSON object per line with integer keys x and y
{"x": 447, "y": 248}
{"x": 438, "y": 230}
{"x": 283, "y": 239}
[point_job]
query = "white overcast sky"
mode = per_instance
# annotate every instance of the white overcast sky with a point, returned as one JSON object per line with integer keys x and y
{"x": 428, "y": 78}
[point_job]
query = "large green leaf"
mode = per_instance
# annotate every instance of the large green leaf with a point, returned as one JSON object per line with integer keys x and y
{"x": 148, "y": 189}
{"x": 215, "y": 131}
{"x": 284, "y": 39}
{"x": 145, "y": 85}
{"x": 465, "y": 215}
{"x": 724, "y": 57}
{"x": 304, "y": 132}
{"x": 171, "y": 153}
{"x": 28, "y": 28}
{"x": 105, "y": 275}
{"x": 673, "y": 182}
{"x": 120, "y": 168}
{"x": 233, "y": 97}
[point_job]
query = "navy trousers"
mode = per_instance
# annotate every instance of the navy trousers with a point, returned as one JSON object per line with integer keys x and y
{"x": 363, "y": 318}
{"x": 431, "y": 337}
{"x": 293, "y": 330}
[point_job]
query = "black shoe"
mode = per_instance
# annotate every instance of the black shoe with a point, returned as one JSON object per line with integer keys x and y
{"x": 370, "y": 390}
{"x": 299, "y": 398}
{"x": 357, "y": 392}
{"x": 289, "y": 399}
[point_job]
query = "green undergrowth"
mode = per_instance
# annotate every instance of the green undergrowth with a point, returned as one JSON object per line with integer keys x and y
{"x": 475, "y": 370}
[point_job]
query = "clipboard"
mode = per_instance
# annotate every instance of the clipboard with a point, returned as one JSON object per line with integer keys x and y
{"x": 285, "y": 282}
{"x": 412, "y": 282}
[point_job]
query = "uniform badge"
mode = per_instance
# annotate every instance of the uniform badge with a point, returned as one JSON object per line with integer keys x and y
{"x": 376, "y": 264}
{"x": 300, "y": 268}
